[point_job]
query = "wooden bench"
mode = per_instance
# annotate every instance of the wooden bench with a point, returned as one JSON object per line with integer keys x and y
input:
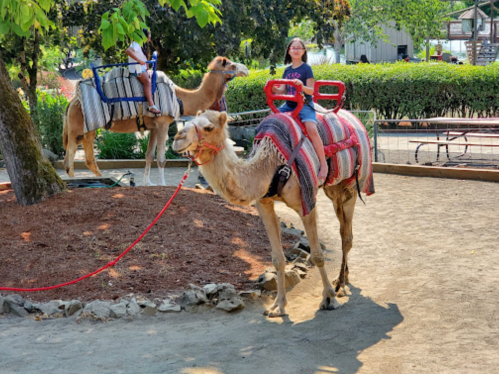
{"x": 452, "y": 137}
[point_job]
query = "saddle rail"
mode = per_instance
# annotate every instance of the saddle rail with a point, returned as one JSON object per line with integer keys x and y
{"x": 107, "y": 100}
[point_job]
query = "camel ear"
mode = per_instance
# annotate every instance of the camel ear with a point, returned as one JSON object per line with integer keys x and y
{"x": 222, "y": 120}
{"x": 199, "y": 113}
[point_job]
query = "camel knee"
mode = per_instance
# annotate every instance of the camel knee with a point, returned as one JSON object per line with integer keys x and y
{"x": 279, "y": 262}
{"x": 318, "y": 259}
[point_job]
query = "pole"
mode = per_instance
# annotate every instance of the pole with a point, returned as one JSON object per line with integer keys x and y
{"x": 492, "y": 39}
{"x": 475, "y": 32}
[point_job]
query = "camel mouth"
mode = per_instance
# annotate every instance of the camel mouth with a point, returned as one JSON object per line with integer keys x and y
{"x": 181, "y": 150}
{"x": 241, "y": 70}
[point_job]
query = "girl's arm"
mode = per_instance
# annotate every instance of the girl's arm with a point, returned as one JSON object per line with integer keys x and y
{"x": 131, "y": 52}
{"x": 309, "y": 88}
{"x": 279, "y": 89}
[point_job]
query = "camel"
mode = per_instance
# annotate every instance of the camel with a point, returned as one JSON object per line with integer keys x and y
{"x": 243, "y": 182}
{"x": 210, "y": 91}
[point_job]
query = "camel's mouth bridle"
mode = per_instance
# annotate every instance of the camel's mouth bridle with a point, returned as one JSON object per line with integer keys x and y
{"x": 203, "y": 145}
{"x": 223, "y": 72}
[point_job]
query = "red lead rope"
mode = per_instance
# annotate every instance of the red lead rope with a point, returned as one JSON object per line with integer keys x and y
{"x": 112, "y": 263}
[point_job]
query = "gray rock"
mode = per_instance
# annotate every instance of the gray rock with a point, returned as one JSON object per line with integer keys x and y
{"x": 98, "y": 308}
{"x": 15, "y": 309}
{"x": 148, "y": 308}
{"x": 52, "y": 157}
{"x": 267, "y": 281}
{"x": 133, "y": 308}
{"x": 253, "y": 294}
{"x": 118, "y": 310}
{"x": 72, "y": 307}
{"x": 51, "y": 308}
{"x": 293, "y": 231}
{"x": 2, "y": 303}
{"x": 15, "y": 299}
{"x": 226, "y": 291}
{"x": 167, "y": 307}
{"x": 210, "y": 290}
{"x": 231, "y": 305}
{"x": 292, "y": 278}
{"x": 303, "y": 243}
{"x": 194, "y": 296}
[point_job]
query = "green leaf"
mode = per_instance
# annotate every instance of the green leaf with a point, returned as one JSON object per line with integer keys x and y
{"x": 107, "y": 38}
{"x": 4, "y": 27}
{"x": 120, "y": 29}
{"x": 19, "y": 31}
{"x": 202, "y": 18}
{"x": 105, "y": 24}
{"x": 105, "y": 16}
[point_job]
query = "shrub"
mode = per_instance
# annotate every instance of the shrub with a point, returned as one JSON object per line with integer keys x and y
{"x": 393, "y": 90}
{"x": 49, "y": 121}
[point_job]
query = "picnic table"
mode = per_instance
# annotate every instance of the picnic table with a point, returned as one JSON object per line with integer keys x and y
{"x": 464, "y": 132}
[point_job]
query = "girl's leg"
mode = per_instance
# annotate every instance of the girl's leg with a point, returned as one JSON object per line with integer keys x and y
{"x": 144, "y": 79}
{"x": 319, "y": 149}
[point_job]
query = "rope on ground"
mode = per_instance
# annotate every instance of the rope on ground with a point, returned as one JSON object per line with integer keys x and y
{"x": 111, "y": 263}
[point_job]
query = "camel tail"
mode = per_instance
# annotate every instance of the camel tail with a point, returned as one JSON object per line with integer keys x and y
{"x": 65, "y": 128}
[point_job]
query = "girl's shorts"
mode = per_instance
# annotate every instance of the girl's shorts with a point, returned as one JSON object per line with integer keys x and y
{"x": 307, "y": 114}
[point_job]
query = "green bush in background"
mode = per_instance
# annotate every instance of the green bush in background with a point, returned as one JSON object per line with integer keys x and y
{"x": 394, "y": 91}
{"x": 49, "y": 121}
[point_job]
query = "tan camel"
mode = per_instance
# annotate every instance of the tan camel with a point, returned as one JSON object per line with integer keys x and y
{"x": 210, "y": 91}
{"x": 243, "y": 182}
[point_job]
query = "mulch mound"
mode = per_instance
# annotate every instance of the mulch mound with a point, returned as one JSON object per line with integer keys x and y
{"x": 200, "y": 239}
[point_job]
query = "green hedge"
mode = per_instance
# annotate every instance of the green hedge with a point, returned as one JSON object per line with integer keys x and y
{"x": 394, "y": 91}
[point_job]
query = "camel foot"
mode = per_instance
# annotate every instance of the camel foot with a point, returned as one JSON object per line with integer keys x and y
{"x": 148, "y": 183}
{"x": 71, "y": 173}
{"x": 276, "y": 312}
{"x": 329, "y": 303}
{"x": 339, "y": 288}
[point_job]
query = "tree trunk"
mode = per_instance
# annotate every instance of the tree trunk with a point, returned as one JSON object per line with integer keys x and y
{"x": 32, "y": 176}
{"x": 338, "y": 43}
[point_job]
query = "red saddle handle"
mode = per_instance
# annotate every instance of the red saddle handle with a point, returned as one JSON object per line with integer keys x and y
{"x": 339, "y": 97}
{"x": 271, "y": 97}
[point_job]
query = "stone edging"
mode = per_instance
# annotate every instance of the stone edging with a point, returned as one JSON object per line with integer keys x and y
{"x": 221, "y": 296}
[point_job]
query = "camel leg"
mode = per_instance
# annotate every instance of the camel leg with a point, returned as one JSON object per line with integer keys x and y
{"x": 161, "y": 143}
{"x": 88, "y": 146}
{"x": 272, "y": 225}
{"x": 151, "y": 149}
{"x": 344, "y": 206}
{"x": 70, "y": 156}
{"x": 329, "y": 301}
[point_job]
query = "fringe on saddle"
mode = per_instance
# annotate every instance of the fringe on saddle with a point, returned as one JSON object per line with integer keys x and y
{"x": 118, "y": 83}
{"x": 346, "y": 143}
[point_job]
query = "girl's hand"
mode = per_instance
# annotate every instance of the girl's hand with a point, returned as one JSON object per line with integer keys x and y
{"x": 298, "y": 82}
{"x": 141, "y": 62}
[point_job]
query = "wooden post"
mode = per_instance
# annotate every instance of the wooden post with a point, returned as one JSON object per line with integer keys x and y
{"x": 492, "y": 36}
{"x": 427, "y": 49}
{"x": 475, "y": 32}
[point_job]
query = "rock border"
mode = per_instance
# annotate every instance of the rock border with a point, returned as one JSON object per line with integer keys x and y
{"x": 221, "y": 296}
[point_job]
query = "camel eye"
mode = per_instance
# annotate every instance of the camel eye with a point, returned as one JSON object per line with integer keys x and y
{"x": 209, "y": 128}
{"x": 224, "y": 62}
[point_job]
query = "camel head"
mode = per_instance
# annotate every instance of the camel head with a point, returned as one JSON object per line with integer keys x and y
{"x": 224, "y": 64}
{"x": 205, "y": 133}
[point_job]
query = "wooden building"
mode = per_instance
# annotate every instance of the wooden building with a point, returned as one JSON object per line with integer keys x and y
{"x": 399, "y": 42}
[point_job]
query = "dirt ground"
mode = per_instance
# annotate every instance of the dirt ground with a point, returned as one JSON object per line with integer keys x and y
{"x": 422, "y": 299}
{"x": 200, "y": 240}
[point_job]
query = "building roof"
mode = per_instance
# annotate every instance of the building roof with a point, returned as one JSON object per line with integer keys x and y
{"x": 470, "y": 14}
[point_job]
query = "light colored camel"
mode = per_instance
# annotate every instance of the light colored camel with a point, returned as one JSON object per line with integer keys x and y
{"x": 210, "y": 91}
{"x": 243, "y": 182}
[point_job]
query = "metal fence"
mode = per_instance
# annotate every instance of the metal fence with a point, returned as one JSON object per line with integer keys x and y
{"x": 472, "y": 143}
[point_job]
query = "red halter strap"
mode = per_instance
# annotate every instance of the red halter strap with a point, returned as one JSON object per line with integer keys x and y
{"x": 202, "y": 145}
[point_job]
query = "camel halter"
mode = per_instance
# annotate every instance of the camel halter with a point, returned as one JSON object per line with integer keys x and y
{"x": 203, "y": 145}
{"x": 223, "y": 72}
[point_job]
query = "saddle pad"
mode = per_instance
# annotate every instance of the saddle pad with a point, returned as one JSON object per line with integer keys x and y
{"x": 334, "y": 128}
{"x": 283, "y": 133}
{"x": 118, "y": 83}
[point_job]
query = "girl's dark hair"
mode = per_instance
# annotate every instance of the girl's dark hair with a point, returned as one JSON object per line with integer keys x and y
{"x": 287, "y": 57}
{"x": 145, "y": 46}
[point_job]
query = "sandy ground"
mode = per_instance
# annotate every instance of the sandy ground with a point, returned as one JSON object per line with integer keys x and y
{"x": 423, "y": 299}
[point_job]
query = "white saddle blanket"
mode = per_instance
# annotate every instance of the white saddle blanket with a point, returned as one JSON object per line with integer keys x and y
{"x": 118, "y": 83}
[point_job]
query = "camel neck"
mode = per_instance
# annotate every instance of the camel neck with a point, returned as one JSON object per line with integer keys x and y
{"x": 209, "y": 92}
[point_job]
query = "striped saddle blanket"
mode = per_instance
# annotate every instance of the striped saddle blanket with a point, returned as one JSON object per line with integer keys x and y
{"x": 118, "y": 83}
{"x": 346, "y": 143}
